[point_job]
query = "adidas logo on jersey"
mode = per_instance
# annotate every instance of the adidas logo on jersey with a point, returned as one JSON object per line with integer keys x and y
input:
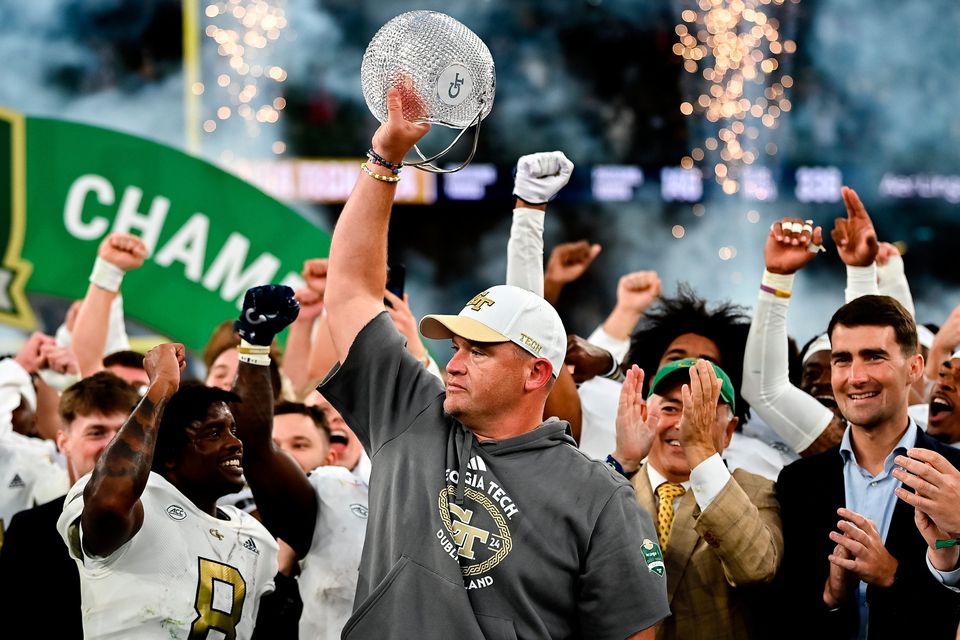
{"x": 17, "y": 482}
{"x": 476, "y": 463}
{"x": 251, "y": 545}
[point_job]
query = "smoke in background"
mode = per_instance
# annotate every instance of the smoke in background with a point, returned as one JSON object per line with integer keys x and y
{"x": 875, "y": 91}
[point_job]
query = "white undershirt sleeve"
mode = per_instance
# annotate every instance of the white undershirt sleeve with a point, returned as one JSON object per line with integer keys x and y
{"x": 794, "y": 415}
{"x": 892, "y": 281}
{"x": 525, "y": 250}
{"x": 117, "y": 339}
{"x": 861, "y": 281}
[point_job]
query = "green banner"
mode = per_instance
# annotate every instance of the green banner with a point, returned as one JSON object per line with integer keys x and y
{"x": 210, "y": 235}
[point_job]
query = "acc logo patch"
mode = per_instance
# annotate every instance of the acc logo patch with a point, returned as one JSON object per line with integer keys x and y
{"x": 359, "y": 510}
{"x": 176, "y": 512}
{"x": 653, "y": 556}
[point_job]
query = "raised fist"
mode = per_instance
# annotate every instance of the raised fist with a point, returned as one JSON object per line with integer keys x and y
{"x": 638, "y": 290}
{"x": 569, "y": 260}
{"x": 315, "y": 274}
{"x": 267, "y": 310}
{"x": 123, "y": 250}
{"x": 163, "y": 365}
{"x": 311, "y": 304}
{"x": 540, "y": 176}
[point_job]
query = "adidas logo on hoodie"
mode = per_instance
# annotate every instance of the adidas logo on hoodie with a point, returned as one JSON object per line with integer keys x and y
{"x": 476, "y": 463}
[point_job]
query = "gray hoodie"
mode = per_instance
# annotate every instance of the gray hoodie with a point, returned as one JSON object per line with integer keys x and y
{"x": 524, "y": 537}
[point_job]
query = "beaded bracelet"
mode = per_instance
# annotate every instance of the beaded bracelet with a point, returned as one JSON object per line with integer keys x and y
{"x": 780, "y": 293}
{"x": 377, "y": 159}
{"x": 376, "y": 176}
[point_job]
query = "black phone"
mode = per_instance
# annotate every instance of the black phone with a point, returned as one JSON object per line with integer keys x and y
{"x": 396, "y": 275}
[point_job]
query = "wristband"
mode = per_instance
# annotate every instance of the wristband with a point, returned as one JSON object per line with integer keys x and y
{"x": 614, "y": 368}
{"x": 943, "y": 544}
{"x": 777, "y": 284}
{"x": 253, "y": 353}
{"x": 616, "y": 466}
{"x": 106, "y": 275}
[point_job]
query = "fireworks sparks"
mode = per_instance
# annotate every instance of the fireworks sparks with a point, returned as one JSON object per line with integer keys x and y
{"x": 248, "y": 85}
{"x": 733, "y": 49}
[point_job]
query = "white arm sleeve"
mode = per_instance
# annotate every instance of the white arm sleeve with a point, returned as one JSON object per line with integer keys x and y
{"x": 617, "y": 348}
{"x": 117, "y": 339}
{"x": 892, "y": 281}
{"x": 525, "y": 250}
{"x": 793, "y": 414}
{"x": 861, "y": 281}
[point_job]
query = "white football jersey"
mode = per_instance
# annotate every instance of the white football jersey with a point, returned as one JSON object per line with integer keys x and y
{"x": 328, "y": 574}
{"x": 185, "y": 574}
{"x": 28, "y": 476}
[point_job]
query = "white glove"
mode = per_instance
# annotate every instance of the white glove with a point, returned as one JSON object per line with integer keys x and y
{"x": 540, "y": 176}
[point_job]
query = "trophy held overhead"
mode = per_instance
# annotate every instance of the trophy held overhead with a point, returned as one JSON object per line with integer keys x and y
{"x": 445, "y": 74}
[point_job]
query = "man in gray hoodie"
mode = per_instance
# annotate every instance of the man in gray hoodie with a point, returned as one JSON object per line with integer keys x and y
{"x": 484, "y": 521}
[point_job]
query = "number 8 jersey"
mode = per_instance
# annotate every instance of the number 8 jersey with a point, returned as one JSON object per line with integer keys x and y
{"x": 182, "y": 575}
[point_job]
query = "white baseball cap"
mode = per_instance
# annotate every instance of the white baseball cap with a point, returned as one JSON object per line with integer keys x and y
{"x": 505, "y": 313}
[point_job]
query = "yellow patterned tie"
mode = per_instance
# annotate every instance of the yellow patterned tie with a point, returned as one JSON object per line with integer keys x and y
{"x": 667, "y": 492}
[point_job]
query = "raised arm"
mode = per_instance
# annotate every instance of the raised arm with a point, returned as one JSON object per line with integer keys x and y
{"x": 358, "y": 252}
{"x": 540, "y": 176}
{"x": 286, "y": 501}
{"x": 323, "y": 355}
{"x": 803, "y": 423}
{"x": 118, "y": 253}
{"x": 856, "y": 241}
{"x": 112, "y": 512}
{"x": 296, "y": 359}
{"x": 636, "y": 291}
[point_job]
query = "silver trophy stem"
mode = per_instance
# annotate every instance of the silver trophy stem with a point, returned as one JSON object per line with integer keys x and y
{"x": 427, "y": 164}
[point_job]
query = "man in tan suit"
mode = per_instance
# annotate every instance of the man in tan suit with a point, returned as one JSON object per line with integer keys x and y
{"x": 718, "y": 531}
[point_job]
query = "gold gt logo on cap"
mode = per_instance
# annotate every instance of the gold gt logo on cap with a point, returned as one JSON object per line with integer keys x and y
{"x": 476, "y": 302}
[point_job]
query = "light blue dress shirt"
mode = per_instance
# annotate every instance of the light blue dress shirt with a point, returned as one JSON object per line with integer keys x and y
{"x": 872, "y": 496}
